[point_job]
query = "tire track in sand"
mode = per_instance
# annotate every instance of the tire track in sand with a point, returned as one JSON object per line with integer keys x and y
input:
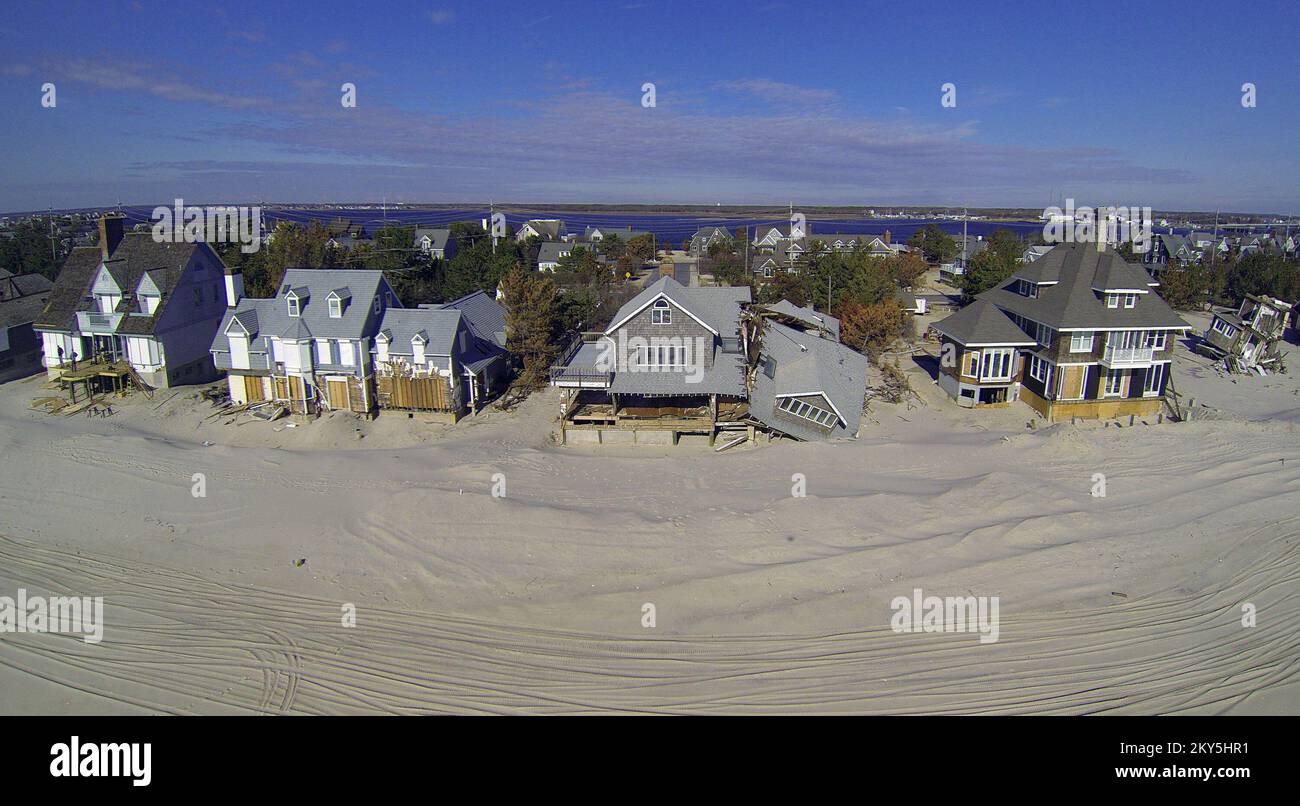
{"x": 176, "y": 642}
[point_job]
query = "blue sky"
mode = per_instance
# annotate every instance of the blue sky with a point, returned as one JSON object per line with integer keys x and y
{"x": 765, "y": 103}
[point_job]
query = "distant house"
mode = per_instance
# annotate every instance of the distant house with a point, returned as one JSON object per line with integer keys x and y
{"x": 435, "y": 243}
{"x": 1170, "y": 248}
{"x": 132, "y": 300}
{"x": 767, "y": 237}
{"x": 22, "y": 298}
{"x": 1251, "y": 336}
{"x": 548, "y": 229}
{"x": 308, "y": 347}
{"x": 706, "y": 237}
{"x": 550, "y": 253}
{"x": 624, "y": 234}
{"x": 952, "y": 271}
{"x": 1035, "y": 252}
{"x": 1078, "y": 332}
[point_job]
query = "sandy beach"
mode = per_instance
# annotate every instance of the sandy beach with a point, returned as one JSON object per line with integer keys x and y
{"x": 532, "y": 602}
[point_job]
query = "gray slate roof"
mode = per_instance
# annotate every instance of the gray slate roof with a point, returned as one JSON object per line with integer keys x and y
{"x": 805, "y": 363}
{"x": 437, "y": 235}
{"x": 137, "y": 254}
{"x": 270, "y": 317}
{"x": 1071, "y": 303}
{"x": 717, "y": 307}
{"x": 484, "y": 315}
{"x": 982, "y": 322}
{"x": 438, "y": 326}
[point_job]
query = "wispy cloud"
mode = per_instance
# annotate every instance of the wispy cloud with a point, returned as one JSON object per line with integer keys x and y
{"x": 779, "y": 91}
{"x": 441, "y": 16}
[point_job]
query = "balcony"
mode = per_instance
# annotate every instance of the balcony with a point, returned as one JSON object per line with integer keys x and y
{"x": 1125, "y": 357}
{"x": 91, "y": 322}
{"x": 582, "y": 366}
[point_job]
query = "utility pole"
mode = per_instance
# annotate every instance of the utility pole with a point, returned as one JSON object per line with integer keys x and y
{"x": 54, "y": 252}
{"x": 492, "y": 235}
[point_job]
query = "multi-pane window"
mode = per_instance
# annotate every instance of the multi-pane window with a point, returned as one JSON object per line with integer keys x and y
{"x": 336, "y": 308}
{"x": 808, "y": 411}
{"x": 1081, "y": 342}
{"x": 997, "y": 364}
{"x": 1155, "y": 339}
{"x": 1044, "y": 334}
{"x": 661, "y": 313}
{"x": 1223, "y": 327}
{"x": 1114, "y": 385}
{"x": 659, "y": 356}
{"x": 293, "y": 306}
{"x": 1039, "y": 369}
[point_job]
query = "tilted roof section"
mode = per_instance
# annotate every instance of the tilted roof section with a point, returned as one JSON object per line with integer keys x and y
{"x": 805, "y": 364}
{"x": 807, "y": 316}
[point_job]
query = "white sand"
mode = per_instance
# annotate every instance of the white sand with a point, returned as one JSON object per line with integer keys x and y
{"x": 765, "y": 602}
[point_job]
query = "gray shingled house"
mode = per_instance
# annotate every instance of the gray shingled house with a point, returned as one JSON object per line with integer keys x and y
{"x": 678, "y": 360}
{"x": 435, "y": 242}
{"x": 133, "y": 300}
{"x": 1079, "y": 332}
{"x": 449, "y": 358}
{"x": 22, "y": 298}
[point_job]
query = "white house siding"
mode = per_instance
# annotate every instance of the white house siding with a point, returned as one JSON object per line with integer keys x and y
{"x": 145, "y": 355}
{"x": 51, "y": 342}
{"x": 238, "y": 351}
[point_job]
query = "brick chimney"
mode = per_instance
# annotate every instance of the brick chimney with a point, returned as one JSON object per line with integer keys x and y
{"x": 888, "y": 238}
{"x": 111, "y": 226}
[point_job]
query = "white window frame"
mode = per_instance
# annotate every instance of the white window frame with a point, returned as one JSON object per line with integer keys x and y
{"x": 1130, "y": 300}
{"x": 1039, "y": 369}
{"x": 1081, "y": 342}
{"x": 1156, "y": 339}
{"x": 1001, "y": 358}
{"x": 1158, "y": 372}
{"x": 336, "y": 308}
{"x": 1112, "y": 300}
{"x": 661, "y": 313}
{"x": 808, "y": 411}
{"x": 661, "y": 356}
{"x": 1117, "y": 375}
{"x": 295, "y": 306}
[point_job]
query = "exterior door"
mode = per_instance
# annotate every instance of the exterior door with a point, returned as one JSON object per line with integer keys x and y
{"x": 338, "y": 393}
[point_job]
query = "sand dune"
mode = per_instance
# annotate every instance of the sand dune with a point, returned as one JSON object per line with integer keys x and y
{"x": 765, "y": 602}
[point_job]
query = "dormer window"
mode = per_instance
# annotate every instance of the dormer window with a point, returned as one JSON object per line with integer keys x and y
{"x": 661, "y": 313}
{"x": 292, "y": 302}
{"x": 1121, "y": 300}
{"x": 336, "y": 308}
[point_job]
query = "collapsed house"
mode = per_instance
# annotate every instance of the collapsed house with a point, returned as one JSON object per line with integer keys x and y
{"x": 679, "y": 360}
{"x": 1250, "y": 339}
